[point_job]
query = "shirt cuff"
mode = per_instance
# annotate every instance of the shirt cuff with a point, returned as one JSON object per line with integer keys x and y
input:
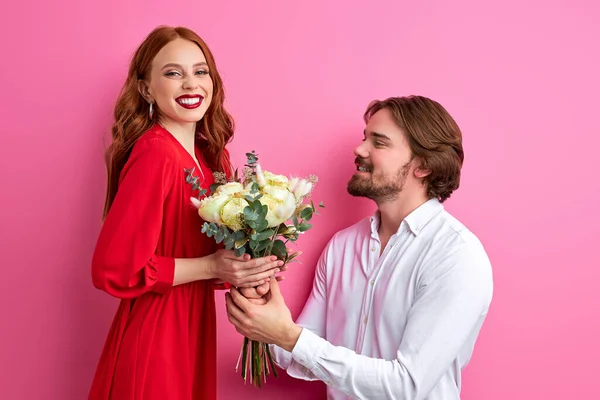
{"x": 308, "y": 349}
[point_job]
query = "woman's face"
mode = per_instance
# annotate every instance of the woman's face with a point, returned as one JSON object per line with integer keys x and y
{"x": 179, "y": 83}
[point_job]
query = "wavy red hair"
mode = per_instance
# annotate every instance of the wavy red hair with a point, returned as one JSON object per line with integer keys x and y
{"x": 132, "y": 120}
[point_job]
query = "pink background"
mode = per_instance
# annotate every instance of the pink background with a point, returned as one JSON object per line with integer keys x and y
{"x": 521, "y": 78}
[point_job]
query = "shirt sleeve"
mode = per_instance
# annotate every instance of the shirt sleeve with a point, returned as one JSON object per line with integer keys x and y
{"x": 446, "y": 311}
{"x": 125, "y": 263}
{"x": 313, "y": 318}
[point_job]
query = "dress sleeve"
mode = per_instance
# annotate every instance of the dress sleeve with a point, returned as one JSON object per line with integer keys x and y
{"x": 228, "y": 170}
{"x": 125, "y": 263}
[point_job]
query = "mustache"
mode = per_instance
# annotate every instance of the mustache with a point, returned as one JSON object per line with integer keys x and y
{"x": 362, "y": 163}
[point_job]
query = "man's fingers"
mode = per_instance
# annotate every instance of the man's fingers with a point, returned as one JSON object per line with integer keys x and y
{"x": 233, "y": 311}
{"x": 259, "y": 302}
{"x": 251, "y": 292}
{"x": 274, "y": 284}
{"x": 251, "y": 284}
{"x": 239, "y": 300}
{"x": 262, "y": 289}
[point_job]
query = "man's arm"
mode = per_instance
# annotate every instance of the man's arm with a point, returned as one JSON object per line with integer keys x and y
{"x": 313, "y": 318}
{"x": 445, "y": 313}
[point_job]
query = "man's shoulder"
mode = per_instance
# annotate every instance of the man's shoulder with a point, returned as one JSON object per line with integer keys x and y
{"x": 357, "y": 229}
{"x": 450, "y": 238}
{"x": 449, "y": 228}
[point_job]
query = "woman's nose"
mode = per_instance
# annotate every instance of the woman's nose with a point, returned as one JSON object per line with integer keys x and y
{"x": 191, "y": 83}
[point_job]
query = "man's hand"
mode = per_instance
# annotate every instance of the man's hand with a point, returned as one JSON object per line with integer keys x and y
{"x": 256, "y": 295}
{"x": 268, "y": 323}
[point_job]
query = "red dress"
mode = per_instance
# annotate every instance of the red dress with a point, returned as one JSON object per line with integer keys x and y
{"x": 162, "y": 342}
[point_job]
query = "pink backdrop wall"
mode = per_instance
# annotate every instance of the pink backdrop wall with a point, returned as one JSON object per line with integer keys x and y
{"x": 521, "y": 78}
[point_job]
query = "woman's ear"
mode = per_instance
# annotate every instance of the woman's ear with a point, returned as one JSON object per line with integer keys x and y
{"x": 144, "y": 90}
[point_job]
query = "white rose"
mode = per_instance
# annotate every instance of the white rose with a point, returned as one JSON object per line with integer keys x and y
{"x": 232, "y": 213}
{"x": 209, "y": 208}
{"x": 230, "y": 188}
{"x": 280, "y": 202}
{"x": 276, "y": 180}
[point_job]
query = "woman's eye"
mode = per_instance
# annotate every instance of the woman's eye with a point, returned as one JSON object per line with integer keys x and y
{"x": 202, "y": 72}
{"x": 172, "y": 73}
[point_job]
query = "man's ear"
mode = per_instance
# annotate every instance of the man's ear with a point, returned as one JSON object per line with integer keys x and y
{"x": 421, "y": 172}
{"x": 144, "y": 90}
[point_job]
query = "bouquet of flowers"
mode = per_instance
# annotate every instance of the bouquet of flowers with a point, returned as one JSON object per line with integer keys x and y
{"x": 257, "y": 214}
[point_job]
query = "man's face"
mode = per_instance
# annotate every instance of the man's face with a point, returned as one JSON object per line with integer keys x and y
{"x": 383, "y": 160}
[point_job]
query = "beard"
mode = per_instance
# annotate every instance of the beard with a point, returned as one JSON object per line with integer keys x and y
{"x": 378, "y": 186}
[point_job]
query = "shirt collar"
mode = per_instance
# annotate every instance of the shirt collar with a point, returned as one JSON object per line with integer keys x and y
{"x": 416, "y": 220}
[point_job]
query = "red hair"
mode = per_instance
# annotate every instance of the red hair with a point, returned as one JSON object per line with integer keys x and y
{"x": 132, "y": 120}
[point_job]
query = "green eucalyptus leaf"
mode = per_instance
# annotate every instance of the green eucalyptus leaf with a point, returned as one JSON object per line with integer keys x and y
{"x": 240, "y": 251}
{"x": 263, "y": 235}
{"x": 205, "y": 227}
{"x": 262, "y": 245}
{"x": 304, "y": 226}
{"x": 239, "y": 235}
{"x": 261, "y": 225}
{"x": 306, "y": 213}
{"x": 250, "y": 215}
{"x": 279, "y": 249}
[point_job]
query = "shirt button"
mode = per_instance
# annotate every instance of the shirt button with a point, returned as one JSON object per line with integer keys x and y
{"x": 373, "y": 248}
{"x": 365, "y": 320}
{"x": 372, "y": 283}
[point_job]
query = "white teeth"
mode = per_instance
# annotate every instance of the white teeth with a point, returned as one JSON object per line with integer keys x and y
{"x": 189, "y": 101}
{"x": 363, "y": 169}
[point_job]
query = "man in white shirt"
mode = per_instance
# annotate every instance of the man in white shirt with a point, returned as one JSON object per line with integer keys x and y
{"x": 398, "y": 298}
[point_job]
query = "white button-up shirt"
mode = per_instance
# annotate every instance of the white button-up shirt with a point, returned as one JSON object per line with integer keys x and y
{"x": 400, "y": 325}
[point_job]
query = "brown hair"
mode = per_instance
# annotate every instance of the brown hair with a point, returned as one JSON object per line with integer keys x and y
{"x": 131, "y": 110}
{"x": 433, "y": 137}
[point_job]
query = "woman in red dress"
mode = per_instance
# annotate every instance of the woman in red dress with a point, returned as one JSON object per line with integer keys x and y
{"x": 169, "y": 136}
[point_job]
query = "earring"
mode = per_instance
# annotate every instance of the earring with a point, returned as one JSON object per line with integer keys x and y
{"x": 151, "y": 111}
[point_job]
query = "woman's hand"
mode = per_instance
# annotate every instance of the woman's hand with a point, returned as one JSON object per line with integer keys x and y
{"x": 243, "y": 271}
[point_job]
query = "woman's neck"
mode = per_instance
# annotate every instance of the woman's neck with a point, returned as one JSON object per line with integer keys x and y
{"x": 185, "y": 133}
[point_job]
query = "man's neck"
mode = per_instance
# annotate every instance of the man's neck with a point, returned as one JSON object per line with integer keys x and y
{"x": 392, "y": 213}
